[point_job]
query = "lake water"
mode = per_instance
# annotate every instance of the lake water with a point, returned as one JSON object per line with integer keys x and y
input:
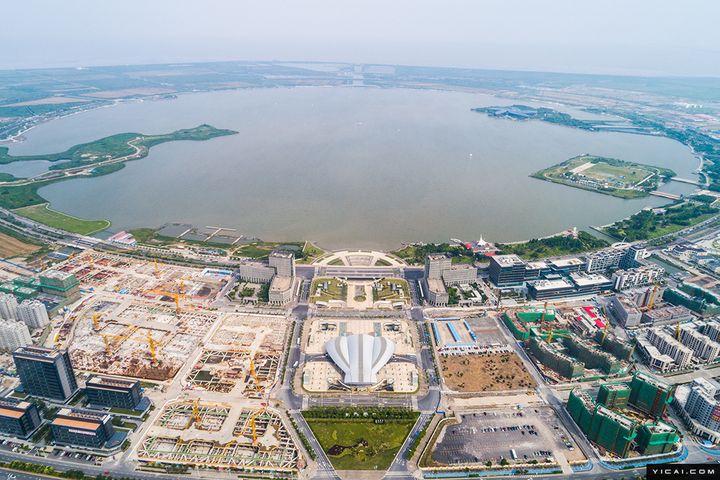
{"x": 347, "y": 167}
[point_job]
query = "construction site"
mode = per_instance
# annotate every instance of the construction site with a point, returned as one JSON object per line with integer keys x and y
{"x": 320, "y": 374}
{"x": 381, "y": 293}
{"x": 242, "y": 357}
{"x": 572, "y": 344}
{"x": 137, "y": 318}
{"x": 221, "y": 435}
{"x": 130, "y": 337}
{"x": 148, "y": 279}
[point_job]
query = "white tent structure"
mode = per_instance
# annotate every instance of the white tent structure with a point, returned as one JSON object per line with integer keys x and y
{"x": 360, "y": 357}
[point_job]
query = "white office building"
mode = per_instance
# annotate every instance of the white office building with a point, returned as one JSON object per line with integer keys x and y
{"x": 13, "y": 335}
{"x": 8, "y": 306}
{"x": 255, "y": 273}
{"x": 283, "y": 262}
{"x": 436, "y": 264}
{"x": 33, "y": 313}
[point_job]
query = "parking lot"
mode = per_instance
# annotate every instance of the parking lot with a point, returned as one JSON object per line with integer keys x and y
{"x": 517, "y": 436}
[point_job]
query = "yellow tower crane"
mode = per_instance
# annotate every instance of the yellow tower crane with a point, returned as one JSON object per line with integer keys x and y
{"x": 96, "y": 321}
{"x": 196, "y": 412}
{"x": 651, "y": 302}
{"x": 605, "y": 332}
{"x": 677, "y": 331}
{"x": 152, "y": 345}
{"x": 542, "y": 319}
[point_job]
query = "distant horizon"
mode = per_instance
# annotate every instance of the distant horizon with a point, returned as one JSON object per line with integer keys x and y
{"x": 341, "y": 62}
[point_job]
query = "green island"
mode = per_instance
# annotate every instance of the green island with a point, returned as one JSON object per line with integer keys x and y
{"x": 609, "y": 176}
{"x": 554, "y": 246}
{"x": 525, "y": 112}
{"x": 653, "y": 223}
{"x": 93, "y": 159}
{"x": 361, "y": 439}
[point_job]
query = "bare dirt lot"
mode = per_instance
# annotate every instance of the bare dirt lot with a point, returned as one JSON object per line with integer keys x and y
{"x": 485, "y": 373}
{"x": 12, "y": 247}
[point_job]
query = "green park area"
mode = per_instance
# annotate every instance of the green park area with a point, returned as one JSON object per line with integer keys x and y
{"x": 649, "y": 224}
{"x": 260, "y": 249}
{"x": 44, "y": 214}
{"x": 415, "y": 254}
{"x": 609, "y": 176}
{"x": 324, "y": 289}
{"x": 361, "y": 440}
{"x": 554, "y": 246}
{"x": 391, "y": 289}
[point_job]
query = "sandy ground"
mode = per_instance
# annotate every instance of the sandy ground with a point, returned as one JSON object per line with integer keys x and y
{"x": 12, "y": 247}
{"x": 47, "y": 101}
{"x": 485, "y": 373}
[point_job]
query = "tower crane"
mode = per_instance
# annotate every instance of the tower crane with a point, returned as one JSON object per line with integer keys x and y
{"x": 152, "y": 345}
{"x": 651, "y": 302}
{"x": 96, "y": 321}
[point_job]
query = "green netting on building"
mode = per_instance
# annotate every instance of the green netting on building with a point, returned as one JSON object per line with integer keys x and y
{"x": 656, "y": 438}
{"x": 649, "y": 395}
{"x": 554, "y": 360}
{"x": 614, "y": 396}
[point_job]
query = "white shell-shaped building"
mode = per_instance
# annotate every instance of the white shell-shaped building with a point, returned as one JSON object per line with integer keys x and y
{"x": 360, "y": 357}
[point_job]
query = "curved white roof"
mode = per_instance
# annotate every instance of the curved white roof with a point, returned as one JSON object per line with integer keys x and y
{"x": 360, "y": 357}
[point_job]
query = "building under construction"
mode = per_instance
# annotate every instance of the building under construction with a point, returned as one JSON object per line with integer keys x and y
{"x": 525, "y": 323}
{"x": 649, "y": 395}
{"x": 607, "y": 429}
{"x": 614, "y": 396}
{"x": 615, "y": 432}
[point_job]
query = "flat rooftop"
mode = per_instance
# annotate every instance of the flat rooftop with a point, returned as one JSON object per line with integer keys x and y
{"x": 280, "y": 284}
{"x": 566, "y": 262}
{"x": 586, "y": 280}
{"x": 437, "y": 256}
{"x": 99, "y": 381}
{"x": 435, "y": 284}
{"x": 281, "y": 254}
{"x": 537, "y": 265}
{"x": 507, "y": 260}
{"x": 557, "y": 283}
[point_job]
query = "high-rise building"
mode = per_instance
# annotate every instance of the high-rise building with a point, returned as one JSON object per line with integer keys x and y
{"x": 18, "y": 419}
{"x": 702, "y": 405}
{"x": 256, "y": 273}
{"x": 637, "y": 277}
{"x": 669, "y": 345}
{"x": 113, "y": 392}
{"x": 8, "y": 306}
{"x": 614, "y": 395}
{"x": 507, "y": 270}
{"x": 650, "y": 395}
{"x": 45, "y": 372}
{"x": 283, "y": 262}
{"x": 33, "y": 313}
{"x": 656, "y": 438}
{"x": 80, "y": 428}
{"x": 13, "y": 335}
{"x": 59, "y": 283}
{"x": 712, "y": 330}
{"x": 435, "y": 265}
{"x": 703, "y": 348}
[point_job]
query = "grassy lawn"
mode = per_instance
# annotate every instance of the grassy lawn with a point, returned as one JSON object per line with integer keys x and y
{"x": 614, "y": 177}
{"x": 369, "y": 445}
{"x": 387, "y": 293}
{"x": 555, "y": 246}
{"x": 648, "y": 225}
{"x": 44, "y": 214}
{"x": 310, "y": 253}
{"x": 261, "y": 250}
{"x": 335, "y": 290}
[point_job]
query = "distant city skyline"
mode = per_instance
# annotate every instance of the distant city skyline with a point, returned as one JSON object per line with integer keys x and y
{"x": 642, "y": 37}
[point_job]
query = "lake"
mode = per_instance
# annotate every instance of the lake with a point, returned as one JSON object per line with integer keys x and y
{"x": 346, "y": 167}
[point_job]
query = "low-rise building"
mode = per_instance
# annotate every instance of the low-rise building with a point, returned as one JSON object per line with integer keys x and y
{"x": 656, "y": 360}
{"x": 459, "y": 275}
{"x": 281, "y": 290}
{"x": 81, "y": 428}
{"x": 435, "y": 292}
{"x": 18, "y": 419}
{"x": 113, "y": 392}
{"x": 255, "y": 272}
{"x": 667, "y": 315}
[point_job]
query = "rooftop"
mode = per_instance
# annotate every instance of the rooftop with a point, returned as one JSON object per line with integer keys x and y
{"x": 588, "y": 279}
{"x": 280, "y": 284}
{"x": 435, "y": 285}
{"x": 360, "y": 356}
{"x": 507, "y": 260}
{"x": 102, "y": 381}
{"x": 566, "y": 262}
{"x": 551, "y": 284}
{"x": 281, "y": 254}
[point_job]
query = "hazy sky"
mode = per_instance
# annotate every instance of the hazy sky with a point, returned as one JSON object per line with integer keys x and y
{"x": 676, "y": 37}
